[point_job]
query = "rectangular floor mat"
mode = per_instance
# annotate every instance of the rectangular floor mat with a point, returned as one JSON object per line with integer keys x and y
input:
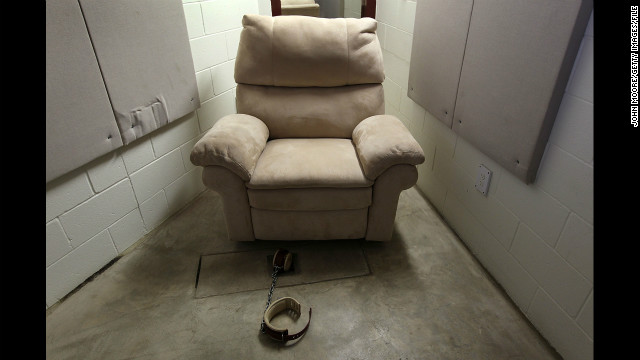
{"x": 229, "y": 273}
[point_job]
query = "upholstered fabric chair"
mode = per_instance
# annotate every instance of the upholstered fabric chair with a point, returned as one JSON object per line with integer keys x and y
{"x": 310, "y": 154}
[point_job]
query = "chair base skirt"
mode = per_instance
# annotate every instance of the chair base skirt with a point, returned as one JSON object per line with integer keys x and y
{"x": 309, "y": 225}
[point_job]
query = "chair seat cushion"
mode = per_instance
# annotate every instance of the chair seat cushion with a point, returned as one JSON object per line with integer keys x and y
{"x": 308, "y": 163}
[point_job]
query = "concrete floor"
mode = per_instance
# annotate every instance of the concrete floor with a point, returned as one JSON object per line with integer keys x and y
{"x": 425, "y": 297}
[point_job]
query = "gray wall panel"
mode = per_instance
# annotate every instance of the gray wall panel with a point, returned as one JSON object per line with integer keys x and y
{"x": 80, "y": 125}
{"x": 144, "y": 53}
{"x": 514, "y": 75}
{"x": 116, "y": 70}
{"x": 516, "y": 60}
{"x": 434, "y": 74}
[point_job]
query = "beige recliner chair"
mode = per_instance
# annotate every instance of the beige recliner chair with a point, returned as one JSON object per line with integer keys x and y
{"x": 310, "y": 155}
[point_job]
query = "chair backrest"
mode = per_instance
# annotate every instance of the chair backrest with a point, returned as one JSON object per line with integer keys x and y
{"x": 309, "y": 77}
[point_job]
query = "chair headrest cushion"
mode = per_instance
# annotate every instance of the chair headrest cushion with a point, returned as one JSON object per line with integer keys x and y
{"x": 305, "y": 51}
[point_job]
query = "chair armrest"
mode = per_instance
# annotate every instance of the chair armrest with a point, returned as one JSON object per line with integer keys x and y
{"x": 235, "y": 141}
{"x": 382, "y": 141}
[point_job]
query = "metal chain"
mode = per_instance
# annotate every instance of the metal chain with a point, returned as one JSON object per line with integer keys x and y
{"x": 274, "y": 276}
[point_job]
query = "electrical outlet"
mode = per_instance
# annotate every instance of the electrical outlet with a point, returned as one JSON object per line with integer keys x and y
{"x": 483, "y": 179}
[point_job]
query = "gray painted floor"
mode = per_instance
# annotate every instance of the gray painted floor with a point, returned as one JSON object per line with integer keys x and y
{"x": 424, "y": 297}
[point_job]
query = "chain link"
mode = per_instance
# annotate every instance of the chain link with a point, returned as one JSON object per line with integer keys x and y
{"x": 274, "y": 276}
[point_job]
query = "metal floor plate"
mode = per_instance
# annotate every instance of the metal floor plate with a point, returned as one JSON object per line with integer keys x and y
{"x": 235, "y": 272}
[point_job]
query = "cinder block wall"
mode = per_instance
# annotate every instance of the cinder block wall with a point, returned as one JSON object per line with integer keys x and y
{"x": 536, "y": 240}
{"x": 98, "y": 211}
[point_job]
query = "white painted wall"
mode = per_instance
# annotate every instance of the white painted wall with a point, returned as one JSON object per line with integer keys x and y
{"x": 352, "y": 8}
{"x": 95, "y": 213}
{"x": 535, "y": 240}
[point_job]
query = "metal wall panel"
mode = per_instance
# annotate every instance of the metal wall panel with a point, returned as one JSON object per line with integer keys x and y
{"x": 144, "y": 53}
{"x": 116, "y": 70}
{"x": 80, "y": 125}
{"x": 440, "y": 36}
{"x": 517, "y": 59}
